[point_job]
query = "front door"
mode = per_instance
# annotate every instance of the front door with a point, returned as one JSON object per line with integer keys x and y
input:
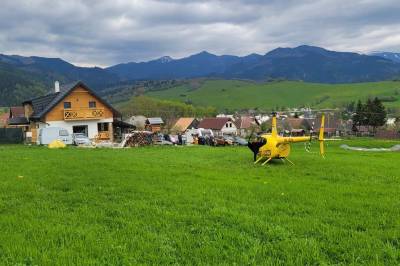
{"x": 80, "y": 129}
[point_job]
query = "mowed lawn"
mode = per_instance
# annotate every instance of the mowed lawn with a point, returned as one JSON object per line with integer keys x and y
{"x": 198, "y": 205}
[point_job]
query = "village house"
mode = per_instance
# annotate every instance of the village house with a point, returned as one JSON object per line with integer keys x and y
{"x": 219, "y": 125}
{"x": 296, "y": 126}
{"x": 154, "y": 124}
{"x": 16, "y": 117}
{"x": 245, "y": 124}
{"x": 185, "y": 123}
{"x": 333, "y": 124}
{"x": 74, "y": 107}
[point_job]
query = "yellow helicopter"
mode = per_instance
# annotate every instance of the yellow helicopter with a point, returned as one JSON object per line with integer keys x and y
{"x": 273, "y": 146}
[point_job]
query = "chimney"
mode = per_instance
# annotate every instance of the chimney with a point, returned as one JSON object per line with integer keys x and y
{"x": 56, "y": 86}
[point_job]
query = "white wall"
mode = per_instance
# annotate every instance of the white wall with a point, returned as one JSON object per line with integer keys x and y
{"x": 91, "y": 124}
{"x": 229, "y": 128}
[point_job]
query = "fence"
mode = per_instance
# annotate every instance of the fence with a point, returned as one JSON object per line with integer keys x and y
{"x": 11, "y": 135}
{"x": 387, "y": 134}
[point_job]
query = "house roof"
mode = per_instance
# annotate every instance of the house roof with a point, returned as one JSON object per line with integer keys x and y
{"x": 214, "y": 122}
{"x": 245, "y": 122}
{"x": 18, "y": 121}
{"x": 154, "y": 120}
{"x": 296, "y": 123}
{"x": 42, "y": 105}
{"x": 183, "y": 123}
{"x": 17, "y": 111}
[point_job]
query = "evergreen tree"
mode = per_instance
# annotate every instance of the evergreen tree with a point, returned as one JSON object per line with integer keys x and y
{"x": 350, "y": 107}
{"x": 369, "y": 111}
{"x": 378, "y": 114}
{"x": 358, "y": 116}
{"x": 372, "y": 113}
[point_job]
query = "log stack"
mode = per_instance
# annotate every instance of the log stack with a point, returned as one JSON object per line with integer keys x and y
{"x": 138, "y": 138}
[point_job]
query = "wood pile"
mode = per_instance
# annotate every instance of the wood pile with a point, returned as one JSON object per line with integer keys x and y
{"x": 138, "y": 138}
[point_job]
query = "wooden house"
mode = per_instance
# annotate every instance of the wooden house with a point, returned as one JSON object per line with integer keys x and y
{"x": 75, "y": 107}
{"x": 154, "y": 124}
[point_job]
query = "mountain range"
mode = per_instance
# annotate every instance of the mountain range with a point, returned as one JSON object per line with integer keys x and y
{"x": 395, "y": 57}
{"x": 307, "y": 63}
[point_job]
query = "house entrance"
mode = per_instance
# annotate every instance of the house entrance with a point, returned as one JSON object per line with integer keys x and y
{"x": 80, "y": 129}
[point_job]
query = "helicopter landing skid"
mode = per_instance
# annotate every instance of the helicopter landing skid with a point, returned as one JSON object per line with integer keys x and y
{"x": 269, "y": 159}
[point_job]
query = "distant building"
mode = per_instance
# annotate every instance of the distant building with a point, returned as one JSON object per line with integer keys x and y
{"x": 219, "y": 125}
{"x": 185, "y": 123}
{"x": 390, "y": 122}
{"x": 154, "y": 124}
{"x": 245, "y": 124}
{"x": 226, "y": 116}
{"x": 262, "y": 118}
{"x": 296, "y": 125}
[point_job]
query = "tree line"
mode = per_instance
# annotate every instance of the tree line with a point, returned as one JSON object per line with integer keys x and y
{"x": 372, "y": 113}
{"x": 168, "y": 110}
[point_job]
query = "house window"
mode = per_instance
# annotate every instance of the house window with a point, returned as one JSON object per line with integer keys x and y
{"x": 63, "y": 133}
{"x": 92, "y": 104}
{"x": 67, "y": 105}
{"x": 102, "y": 127}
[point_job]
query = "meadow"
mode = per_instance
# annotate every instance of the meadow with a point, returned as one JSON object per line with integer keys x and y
{"x": 236, "y": 94}
{"x": 198, "y": 205}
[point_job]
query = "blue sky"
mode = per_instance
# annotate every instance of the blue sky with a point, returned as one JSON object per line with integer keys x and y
{"x": 103, "y": 33}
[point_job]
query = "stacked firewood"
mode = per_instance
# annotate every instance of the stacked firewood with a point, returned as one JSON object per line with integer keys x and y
{"x": 138, "y": 138}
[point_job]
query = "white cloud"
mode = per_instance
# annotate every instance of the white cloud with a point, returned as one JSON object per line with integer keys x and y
{"x": 90, "y": 32}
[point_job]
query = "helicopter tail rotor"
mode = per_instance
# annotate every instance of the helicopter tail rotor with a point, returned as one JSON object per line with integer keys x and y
{"x": 321, "y": 137}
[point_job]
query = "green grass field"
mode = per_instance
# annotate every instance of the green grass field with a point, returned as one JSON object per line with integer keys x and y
{"x": 198, "y": 205}
{"x": 233, "y": 94}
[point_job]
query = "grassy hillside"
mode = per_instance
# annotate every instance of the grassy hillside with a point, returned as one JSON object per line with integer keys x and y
{"x": 151, "y": 107}
{"x": 233, "y": 94}
{"x": 198, "y": 205}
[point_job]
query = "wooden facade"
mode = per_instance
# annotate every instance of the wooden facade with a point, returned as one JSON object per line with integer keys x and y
{"x": 78, "y": 108}
{"x": 79, "y": 99}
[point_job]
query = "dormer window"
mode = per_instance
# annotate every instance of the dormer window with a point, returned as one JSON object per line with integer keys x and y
{"x": 67, "y": 105}
{"x": 92, "y": 104}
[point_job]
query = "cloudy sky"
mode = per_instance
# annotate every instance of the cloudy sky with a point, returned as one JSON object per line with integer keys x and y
{"x": 97, "y": 32}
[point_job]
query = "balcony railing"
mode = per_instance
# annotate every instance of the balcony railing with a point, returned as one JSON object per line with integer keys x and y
{"x": 83, "y": 114}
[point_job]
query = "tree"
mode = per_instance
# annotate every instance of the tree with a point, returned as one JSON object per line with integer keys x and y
{"x": 369, "y": 113}
{"x": 351, "y": 107}
{"x": 358, "y": 116}
{"x": 378, "y": 114}
{"x": 372, "y": 113}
